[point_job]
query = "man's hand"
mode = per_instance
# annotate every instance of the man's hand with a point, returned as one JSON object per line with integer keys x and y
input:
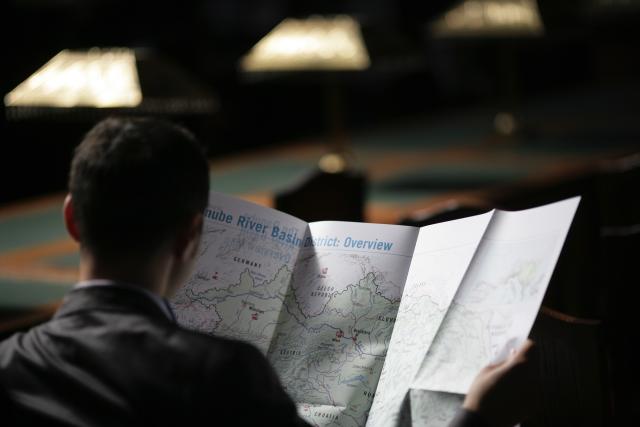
{"x": 505, "y": 394}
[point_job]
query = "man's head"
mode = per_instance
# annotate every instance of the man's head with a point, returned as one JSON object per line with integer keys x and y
{"x": 135, "y": 184}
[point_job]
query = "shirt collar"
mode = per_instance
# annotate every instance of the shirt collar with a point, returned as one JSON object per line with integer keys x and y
{"x": 157, "y": 299}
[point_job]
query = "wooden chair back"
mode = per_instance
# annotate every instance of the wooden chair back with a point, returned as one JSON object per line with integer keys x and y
{"x": 574, "y": 377}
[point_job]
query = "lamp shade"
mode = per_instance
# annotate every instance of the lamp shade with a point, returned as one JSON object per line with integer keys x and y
{"x": 89, "y": 84}
{"x": 99, "y": 78}
{"x": 490, "y": 18}
{"x": 314, "y": 44}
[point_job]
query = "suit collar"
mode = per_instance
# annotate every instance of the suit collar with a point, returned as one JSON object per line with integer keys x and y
{"x": 157, "y": 299}
{"x": 115, "y": 298}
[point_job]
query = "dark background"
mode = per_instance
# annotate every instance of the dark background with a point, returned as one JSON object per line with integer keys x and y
{"x": 587, "y": 44}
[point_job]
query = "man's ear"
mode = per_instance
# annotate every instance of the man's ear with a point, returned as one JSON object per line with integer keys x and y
{"x": 188, "y": 239}
{"x": 69, "y": 218}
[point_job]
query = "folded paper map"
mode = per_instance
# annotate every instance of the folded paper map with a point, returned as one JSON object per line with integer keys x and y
{"x": 366, "y": 323}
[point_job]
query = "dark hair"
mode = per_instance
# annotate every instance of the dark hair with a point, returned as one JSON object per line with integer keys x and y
{"x": 134, "y": 182}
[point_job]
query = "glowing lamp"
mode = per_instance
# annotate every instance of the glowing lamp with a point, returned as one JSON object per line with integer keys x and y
{"x": 490, "y": 18}
{"x": 315, "y": 44}
{"x": 99, "y": 78}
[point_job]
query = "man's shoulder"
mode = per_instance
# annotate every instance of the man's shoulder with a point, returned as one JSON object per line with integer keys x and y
{"x": 150, "y": 359}
{"x": 134, "y": 334}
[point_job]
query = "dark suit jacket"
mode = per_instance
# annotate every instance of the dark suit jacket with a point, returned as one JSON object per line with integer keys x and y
{"x": 110, "y": 356}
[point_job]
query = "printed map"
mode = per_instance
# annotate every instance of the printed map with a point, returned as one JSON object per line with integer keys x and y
{"x": 240, "y": 279}
{"x": 333, "y": 334}
{"x": 499, "y": 296}
{"x": 438, "y": 266}
{"x": 372, "y": 324}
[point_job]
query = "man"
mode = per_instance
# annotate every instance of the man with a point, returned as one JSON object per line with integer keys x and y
{"x": 112, "y": 354}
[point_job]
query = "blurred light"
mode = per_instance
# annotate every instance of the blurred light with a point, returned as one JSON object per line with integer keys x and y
{"x": 333, "y": 163}
{"x": 96, "y": 78}
{"x": 316, "y": 43}
{"x": 490, "y": 18}
{"x": 505, "y": 124}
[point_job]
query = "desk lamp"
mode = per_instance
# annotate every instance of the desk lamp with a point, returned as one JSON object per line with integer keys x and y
{"x": 48, "y": 112}
{"x": 493, "y": 19}
{"x": 328, "y": 45}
